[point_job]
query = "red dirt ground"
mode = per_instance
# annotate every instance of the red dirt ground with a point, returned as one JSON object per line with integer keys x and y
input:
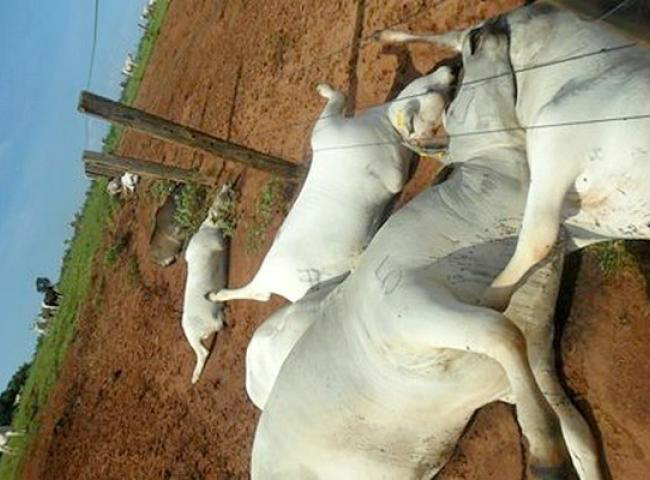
{"x": 123, "y": 406}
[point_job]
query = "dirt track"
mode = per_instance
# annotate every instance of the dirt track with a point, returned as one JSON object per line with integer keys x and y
{"x": 123, "y": 407}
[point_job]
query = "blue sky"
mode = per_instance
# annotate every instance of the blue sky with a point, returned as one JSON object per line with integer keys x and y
{"x": 45, "y": 55}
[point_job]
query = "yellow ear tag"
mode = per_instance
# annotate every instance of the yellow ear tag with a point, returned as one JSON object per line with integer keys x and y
{"x": 399, "y": 119}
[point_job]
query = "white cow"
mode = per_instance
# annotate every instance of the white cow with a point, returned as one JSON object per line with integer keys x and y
{"x": 358, "y": 165}
{"x": 274, "y": 339}
{"x": 146, "y": 12}
{"x": 129, "y": 65}
{"x": 399, "y": 356}
{"x": 40, "y": 325}
{"x": 590, "y": 175}
{"x": 5, "y": 434}
{"x": 206, "y": 258}
{"x": 127, "y": 183}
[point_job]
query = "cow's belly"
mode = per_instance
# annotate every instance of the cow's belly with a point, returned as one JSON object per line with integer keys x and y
{"x": 336, "y": 412}
{"x": 611, "y": 197}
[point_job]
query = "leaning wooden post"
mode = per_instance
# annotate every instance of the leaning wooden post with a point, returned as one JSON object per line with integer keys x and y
{"x": 130, "y": 117}
{"x": 143, "y": 168}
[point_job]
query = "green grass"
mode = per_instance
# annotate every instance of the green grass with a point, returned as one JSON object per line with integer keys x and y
{"x": 270, "y": 202}
{"x": 611, "y": 257}
{"x": 226, "y": 216}
{"x": 76, "y": 274}
{"x": 159, "y": 189}
{"x": 192, "y": 205}
{"x": 74, "y": 283}
{"x": 132, "y": 85}
{"x": 113, "y": 253}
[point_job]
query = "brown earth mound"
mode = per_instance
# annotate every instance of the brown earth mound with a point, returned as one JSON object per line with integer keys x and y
{"x": 123, "y": 406}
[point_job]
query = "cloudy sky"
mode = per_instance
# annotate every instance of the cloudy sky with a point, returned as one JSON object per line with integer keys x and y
{"x": 45, "y": 56}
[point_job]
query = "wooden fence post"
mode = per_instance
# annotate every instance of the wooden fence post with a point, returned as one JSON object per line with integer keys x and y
{"x": 130, "y": 117}
{"x": 144, "y": 168}
{"x": 96, "y": 171}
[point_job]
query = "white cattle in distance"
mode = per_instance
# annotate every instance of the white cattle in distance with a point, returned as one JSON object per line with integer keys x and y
{"x": 6, "y": 433}
{"x": 590, "y": 169}
{"x": 207, "y": 264}
{"x": 400, "y": 355}
{"x": 40, "y": 325}
{"x": 126, "y": 183}
{"x": 358, "y": 165}
{"x": 129, "y": 65}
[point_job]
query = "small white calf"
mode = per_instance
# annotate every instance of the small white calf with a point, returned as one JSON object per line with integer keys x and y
{"x": 591, "y": 172}
{"x": 206, "y": 258}
{"x": 358, "y": 165}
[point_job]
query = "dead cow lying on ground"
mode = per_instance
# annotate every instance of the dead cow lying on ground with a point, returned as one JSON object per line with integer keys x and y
{"x": 358, "y": 165}
{"x": 167, "y": 237}
{"x": 207, "y": 261}
{"x": 399, "y": 356}
{"x": 590, "y": 170}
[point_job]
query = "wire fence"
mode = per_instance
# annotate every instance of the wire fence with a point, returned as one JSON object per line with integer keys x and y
{"x": 495, "y": 131}
{"x": 463, "y": 84}
{"x": 371, "y": 37}
{"x": 91, "y": 66}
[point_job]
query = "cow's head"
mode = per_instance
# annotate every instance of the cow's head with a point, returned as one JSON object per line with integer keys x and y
{"x": 417, "y": 113}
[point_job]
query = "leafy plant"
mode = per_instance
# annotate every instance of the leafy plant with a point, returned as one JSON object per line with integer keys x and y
{"x": 226, "y": 217}
{"x": 191, "y": 207}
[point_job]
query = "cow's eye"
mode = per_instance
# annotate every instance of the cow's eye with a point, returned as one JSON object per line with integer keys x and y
{"x": 474, "y": 40}
{"x": 410, "y": 124}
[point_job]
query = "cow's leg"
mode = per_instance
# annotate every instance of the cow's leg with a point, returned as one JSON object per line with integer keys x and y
{"x": 550, "y": 181}
{"x": 196, "y": 342}
{"x": 335, "y": 103}
{"x": 247, "y": 292}
{"x": 452, "y": 40}
{"x": 532, "y": 309}
{"x": 428, "y": 316}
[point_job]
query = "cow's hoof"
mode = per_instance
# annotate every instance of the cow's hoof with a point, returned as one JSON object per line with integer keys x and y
{"x": 213, "y": 296}
{"x": 562, "y": 472}
{"x": 387, "y": 36}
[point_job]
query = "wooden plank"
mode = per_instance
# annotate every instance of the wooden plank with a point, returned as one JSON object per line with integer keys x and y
{"x": 144, "y": 168}
{"x": 98, "y": 171}
{"x": 130, "y": 117}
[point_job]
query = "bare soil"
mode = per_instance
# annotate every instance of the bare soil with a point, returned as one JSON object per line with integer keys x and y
{"x": 246, "y": 70}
